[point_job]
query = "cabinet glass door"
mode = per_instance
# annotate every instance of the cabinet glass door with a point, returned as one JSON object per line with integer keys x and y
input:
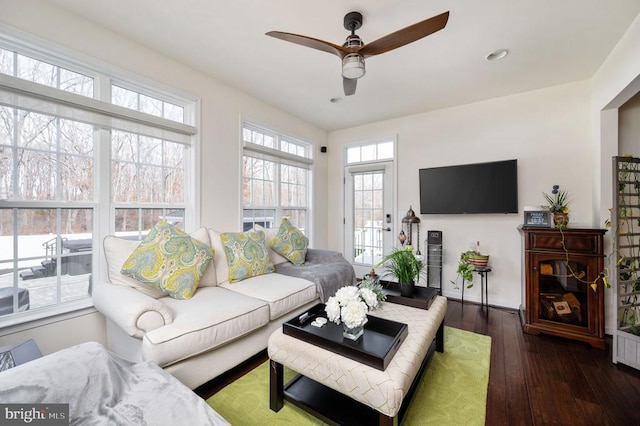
{"x": 563, "y": 292}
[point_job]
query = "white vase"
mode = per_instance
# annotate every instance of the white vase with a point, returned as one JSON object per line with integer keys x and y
{"x": 352, "y": 333}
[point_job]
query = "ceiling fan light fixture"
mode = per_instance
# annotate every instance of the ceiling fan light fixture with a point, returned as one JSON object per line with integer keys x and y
{"x": 353, "y": 66}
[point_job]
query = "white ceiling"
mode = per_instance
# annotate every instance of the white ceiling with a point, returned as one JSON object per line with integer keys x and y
{"x": 550, "y": 42}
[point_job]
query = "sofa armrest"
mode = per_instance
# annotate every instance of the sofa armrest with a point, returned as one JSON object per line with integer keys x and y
{"x": 133, "y": 311}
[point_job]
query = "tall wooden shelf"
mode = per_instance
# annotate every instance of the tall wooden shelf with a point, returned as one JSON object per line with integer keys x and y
{"x": 625, "y": 221}
{"x": 559, "y": 267}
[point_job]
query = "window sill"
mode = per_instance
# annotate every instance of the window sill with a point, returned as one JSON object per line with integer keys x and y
{"x": 38, "y": 318}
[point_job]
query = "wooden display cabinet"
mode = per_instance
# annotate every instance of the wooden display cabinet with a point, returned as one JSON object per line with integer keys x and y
{"x": 557, "y": 295}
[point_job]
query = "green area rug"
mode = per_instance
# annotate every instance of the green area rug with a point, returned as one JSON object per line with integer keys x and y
{"x": 452, "y": 391}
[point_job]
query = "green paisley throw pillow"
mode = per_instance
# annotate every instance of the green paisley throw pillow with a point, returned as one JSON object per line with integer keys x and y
{"x": 290, "y": 242}
{"x": 170, "y": 260}
{"x": 247, "y": 254}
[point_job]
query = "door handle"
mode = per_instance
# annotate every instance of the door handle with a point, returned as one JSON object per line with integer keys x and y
{"x": 388, "y": 229}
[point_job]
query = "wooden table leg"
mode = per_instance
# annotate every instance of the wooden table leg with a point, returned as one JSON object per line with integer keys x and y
{"x": 440, "y": 338}
{"x": 276, "y": 386}
{"x": 384, "y": 420}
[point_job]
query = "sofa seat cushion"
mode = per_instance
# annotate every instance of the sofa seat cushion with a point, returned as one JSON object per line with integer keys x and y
{"x": 283, "y": 293}
{"x": 211, "y": 318}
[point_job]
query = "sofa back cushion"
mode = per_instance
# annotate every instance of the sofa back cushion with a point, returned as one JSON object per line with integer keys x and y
{"x": 116, "y": 251}
{"x": 219, "y": 257}
{"x": 209, "y": 279}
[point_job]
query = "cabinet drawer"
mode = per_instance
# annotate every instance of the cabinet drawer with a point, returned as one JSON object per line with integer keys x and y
{"x": 574, "y": 242}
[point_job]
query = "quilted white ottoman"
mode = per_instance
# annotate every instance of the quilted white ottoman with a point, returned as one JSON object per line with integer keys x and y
{"x": 381, "y": 394}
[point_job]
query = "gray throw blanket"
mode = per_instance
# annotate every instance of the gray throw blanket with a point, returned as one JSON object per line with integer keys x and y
{"x": 328, "y": 269}
{"x": 103, "y": 389}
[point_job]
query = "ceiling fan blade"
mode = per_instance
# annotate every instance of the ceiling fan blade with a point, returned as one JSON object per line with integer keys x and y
{"x": 311, "y": 42}
{"x": 405, "y": 36}
{"x": 349, "y": 85}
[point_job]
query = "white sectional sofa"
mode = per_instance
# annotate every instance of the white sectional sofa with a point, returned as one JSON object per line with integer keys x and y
{"x": 224, "y": 323}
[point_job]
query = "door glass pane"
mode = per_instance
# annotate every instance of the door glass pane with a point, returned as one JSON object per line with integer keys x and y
{"x": 368, "y": 218}
{"x": 563, "y": 292}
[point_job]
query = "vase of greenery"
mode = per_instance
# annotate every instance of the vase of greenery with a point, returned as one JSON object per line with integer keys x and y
{"x": 405, "y": 266}
{"x": 558, "y": 205}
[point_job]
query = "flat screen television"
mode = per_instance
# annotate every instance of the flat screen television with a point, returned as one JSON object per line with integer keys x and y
{"x": 470, "y": 188}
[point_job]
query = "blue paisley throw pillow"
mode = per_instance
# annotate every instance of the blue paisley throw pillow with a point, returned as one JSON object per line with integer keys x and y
{"x": 290, "y": 242}
{"x": 247, "y": 254}
{"x": 170, "y": 260}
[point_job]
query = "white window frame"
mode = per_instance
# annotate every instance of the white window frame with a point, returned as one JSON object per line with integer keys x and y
{"x": 104, "y": 115}
{"x": 279, "y": 157}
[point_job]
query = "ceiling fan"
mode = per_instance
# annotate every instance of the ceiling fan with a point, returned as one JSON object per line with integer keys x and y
{"x": 353, "y": 52}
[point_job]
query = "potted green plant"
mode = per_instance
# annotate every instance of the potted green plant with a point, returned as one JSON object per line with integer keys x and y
{"x": 465, "y": 269}
{"x": 405, "y": 266}
{"x": 558, "y": 205}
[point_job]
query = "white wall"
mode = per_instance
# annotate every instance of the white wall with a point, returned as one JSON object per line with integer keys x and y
{"x": 547, "y": 131}
{"x": 616, "y": 82}
{"x": 629, "y": 127}
{"x": 222, "y": 108}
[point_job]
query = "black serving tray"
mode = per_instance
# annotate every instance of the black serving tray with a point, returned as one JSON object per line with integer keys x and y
{"x": 422, "y": 298}
{"x": 376, "y": 347}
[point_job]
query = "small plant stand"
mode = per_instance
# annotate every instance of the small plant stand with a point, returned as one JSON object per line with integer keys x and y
{"x": 483, "y": 271}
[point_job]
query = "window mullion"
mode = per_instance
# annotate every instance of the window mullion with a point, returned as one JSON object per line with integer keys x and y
{"x": 58, "y": 253}
{"x": 16, "y": 135}
{"x": 278, "y": 189}
{"x": 57, "y": 154}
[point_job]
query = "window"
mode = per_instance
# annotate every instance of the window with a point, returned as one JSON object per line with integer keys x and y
{"x": 367, "y": 152}
{"x": 68, "y": 157}
{"x": 276, "y": 177}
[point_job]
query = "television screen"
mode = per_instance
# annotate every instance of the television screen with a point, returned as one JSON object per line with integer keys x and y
{"x": 470, "y": 188}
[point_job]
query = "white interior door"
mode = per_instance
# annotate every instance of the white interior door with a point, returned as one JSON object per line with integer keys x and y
{"x": 369, "y": 221}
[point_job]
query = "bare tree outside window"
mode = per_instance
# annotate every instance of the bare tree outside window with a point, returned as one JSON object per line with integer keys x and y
{"x": 49, "y": 184}
{"x": 273, "y": 186}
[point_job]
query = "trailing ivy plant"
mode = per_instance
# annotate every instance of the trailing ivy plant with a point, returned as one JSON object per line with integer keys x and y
{"x": 464, "y": 270}
{"x": 627, "y": 226}
{"x": 625, "y": 246}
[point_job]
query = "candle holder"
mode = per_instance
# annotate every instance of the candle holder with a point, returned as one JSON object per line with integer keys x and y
{"x": 408, "y": 222}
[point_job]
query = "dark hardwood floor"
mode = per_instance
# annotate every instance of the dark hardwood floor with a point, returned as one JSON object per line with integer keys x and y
{"x": 548, "y": 380}
{"x": 534, "y": 380}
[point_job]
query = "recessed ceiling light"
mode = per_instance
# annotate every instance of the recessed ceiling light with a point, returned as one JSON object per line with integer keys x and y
{"x": 335, "y": 100}
{"x": 497, "y": 55}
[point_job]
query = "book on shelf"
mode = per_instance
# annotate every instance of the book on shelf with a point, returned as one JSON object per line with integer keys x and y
{"x": 562, "y": 308}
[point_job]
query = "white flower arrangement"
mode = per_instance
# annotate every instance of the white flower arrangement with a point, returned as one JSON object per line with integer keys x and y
{"x": 351, "y": 304}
